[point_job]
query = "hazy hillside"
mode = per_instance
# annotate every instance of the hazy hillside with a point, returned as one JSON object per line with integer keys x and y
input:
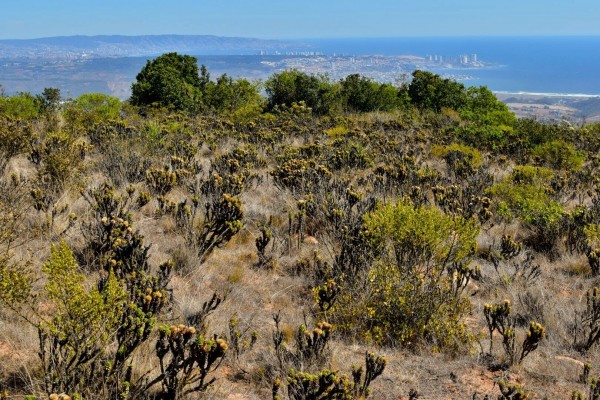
{"x": 131, "y": 46}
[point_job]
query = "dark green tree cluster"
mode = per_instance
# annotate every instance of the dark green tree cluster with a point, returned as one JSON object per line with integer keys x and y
{"x": 175, "y": 81}
{"x": 171, "y": 80}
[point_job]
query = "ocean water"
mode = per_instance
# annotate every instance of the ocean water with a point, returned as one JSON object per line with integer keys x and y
{"x": 559, "y": 65}
{"x": 549, "y": 65}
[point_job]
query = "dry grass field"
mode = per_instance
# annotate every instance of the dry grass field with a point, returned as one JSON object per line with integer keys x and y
{"x": 160, "y": 255}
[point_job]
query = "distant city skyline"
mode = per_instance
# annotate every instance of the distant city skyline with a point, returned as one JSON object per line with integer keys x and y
{"x": 269, "y": 19}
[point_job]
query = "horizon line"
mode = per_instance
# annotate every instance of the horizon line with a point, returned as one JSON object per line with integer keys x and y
{"x": 408, "y": 36}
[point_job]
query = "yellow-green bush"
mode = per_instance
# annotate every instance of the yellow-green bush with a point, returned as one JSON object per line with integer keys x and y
{"x": 558, "y": 154}
{"x": 525, "y": 194}
{"x": 410, "y": 296}
{"x": 462, "y": 160}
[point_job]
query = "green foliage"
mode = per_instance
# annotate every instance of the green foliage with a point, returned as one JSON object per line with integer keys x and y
{"x": 59, "y": 158}
{"x": 22, "y": 106}
{"x": 409, "y": 295}
{"x": 420, "y": 237}
{"x": 289, "y": 87}
{"x": 361, "y": 94}
{"x": 170, "y": 80}
{"x": 429, "y": 91}
{"x": 490, "y": 122}
{"x": 99, "y": 329}
{"x": 238, "y": 98}
{"x": 532, "y": 132}
{"x": 300, "y": 176}
{"x": 15, "y": 137}
{"x": 462, "y": 160}
{"x": 347, "y": 154}
{"x": 50, "y": 100}
{"x": 161, "y": 180}
{"x": 83, "y": 324}
{"x": 525, "y": 194}
{"x": 559, "y": 155}
{"x": 15, "y": 284}
{"x": 90, "y": 109}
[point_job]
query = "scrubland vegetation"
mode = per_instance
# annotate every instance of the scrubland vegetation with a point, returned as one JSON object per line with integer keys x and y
{"x": 331, "y": 240}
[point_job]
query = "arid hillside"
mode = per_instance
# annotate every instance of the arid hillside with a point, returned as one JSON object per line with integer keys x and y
{"x": 307, "y": 245}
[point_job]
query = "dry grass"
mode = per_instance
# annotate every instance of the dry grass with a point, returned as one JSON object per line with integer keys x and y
{"x": 254, "y": 295}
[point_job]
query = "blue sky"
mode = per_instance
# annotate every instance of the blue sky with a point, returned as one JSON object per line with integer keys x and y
{"x": 299, "y": 19}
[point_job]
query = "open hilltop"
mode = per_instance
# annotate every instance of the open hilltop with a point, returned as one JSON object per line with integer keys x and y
{"x": 323, "y": 240}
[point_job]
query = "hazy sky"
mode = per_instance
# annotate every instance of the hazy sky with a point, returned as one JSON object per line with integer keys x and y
{"x": 299, "y": 19}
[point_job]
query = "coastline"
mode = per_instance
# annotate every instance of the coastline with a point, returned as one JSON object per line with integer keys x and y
{"x": 541, "y": 94}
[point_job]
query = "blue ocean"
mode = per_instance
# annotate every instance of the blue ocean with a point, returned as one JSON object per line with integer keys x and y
{"x": 549, "y": 65}
{"x": 561, "y": 65}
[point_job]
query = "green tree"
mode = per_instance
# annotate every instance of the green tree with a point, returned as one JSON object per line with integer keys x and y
{"x": 50, "y": 100}
{"x": 362, "y": 94}
{"x": 432, "y": 92}
{"x": 490, "y": 122}
{"x": 288, "y": 87}
{"x": 233, "y": 97}
{"x": 171, "y": 80}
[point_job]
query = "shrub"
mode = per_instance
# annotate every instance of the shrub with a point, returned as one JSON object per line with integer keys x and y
{"x": 525, "y": 194}
{"x": 347, "y": 154}
{"x": 74, "y": 340}
{"x": 23, "y": 106}
{"x": 290, "y": 87}
{"x": 99, "y": 329}
{"x": 15, "y": 136}
{"x": 91, "y": 109}
{"x": 512, "y": 391}
{"x": 215, "y": 198}
{"x": 559, "y": 155}
{"x": 589, "y": 321}
{"x": 59, "y": 158}
{"x": 186, "y": 358}
{"x": 410, "y": 295}
{"x": 461, "y": 160}
{"x": 331, "y": 385}
{"x": 499, "y": 318}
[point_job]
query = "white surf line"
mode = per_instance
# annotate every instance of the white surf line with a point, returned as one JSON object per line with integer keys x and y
{"x": 548, "y": 94}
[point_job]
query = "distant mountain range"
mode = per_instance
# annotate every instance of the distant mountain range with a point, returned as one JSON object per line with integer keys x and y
{"x": 137, "y": 46}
